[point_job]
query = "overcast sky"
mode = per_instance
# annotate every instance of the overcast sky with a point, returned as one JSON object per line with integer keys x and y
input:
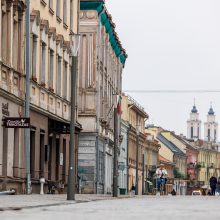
{"x": 171, "y": 44}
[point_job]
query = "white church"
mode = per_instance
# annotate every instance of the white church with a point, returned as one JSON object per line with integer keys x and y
{"x": 210, "y": 126}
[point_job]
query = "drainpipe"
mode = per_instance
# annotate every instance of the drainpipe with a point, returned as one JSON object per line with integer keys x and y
{"x": 27, "y": 97}
{"x": 128, "y": 148}
{"x": 129, "y": 128}
{"x": 143, "y": 171}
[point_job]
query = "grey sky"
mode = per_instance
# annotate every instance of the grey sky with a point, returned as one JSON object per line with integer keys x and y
{"x": 172, "y": 44}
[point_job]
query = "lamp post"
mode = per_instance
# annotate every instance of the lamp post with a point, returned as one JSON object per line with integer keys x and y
{"x": 71, "y": 190}
{"x": 27, "y": 96}
{"x": 117, "y": 111}
{"x": 137, "y": 160}
{"x": 143, "y": 171}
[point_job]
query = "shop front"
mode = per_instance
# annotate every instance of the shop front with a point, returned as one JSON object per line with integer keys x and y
{"x": 50, "y": 141}
{"x": 12, "y": 166}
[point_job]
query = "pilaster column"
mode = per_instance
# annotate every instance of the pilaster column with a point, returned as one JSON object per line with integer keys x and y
{"x": 0, "y": 31}
{"x": 10, "y": 32}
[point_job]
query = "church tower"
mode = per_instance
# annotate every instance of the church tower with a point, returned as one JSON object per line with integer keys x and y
{"x": 194, "y": 125}
{"x": 211, "y": 127}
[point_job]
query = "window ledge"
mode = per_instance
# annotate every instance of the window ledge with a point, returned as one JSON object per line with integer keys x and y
{"x": 59, "y": 19}
{"x": 65, "y": 25}
{"x": 43, "y": 84}
{"x": 51, "y": 11}
{"x": 43, "y": 3}
{"x": 34, "y": 78}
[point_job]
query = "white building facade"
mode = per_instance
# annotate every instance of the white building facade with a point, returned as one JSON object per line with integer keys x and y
{"x": 101, "y": 61}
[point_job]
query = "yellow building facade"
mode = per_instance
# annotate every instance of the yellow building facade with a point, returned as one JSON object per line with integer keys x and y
{"x": 207, "y": 164}
{"x": 51, "y": 23}
{"x": 135, "y": 115}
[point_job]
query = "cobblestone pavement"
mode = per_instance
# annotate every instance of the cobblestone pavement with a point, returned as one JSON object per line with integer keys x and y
{"x": 31, "y": 201}
{"x": 152, "y": 208}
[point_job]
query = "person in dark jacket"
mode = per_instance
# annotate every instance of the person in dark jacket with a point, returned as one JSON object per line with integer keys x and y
{"x": 213, "y": 182}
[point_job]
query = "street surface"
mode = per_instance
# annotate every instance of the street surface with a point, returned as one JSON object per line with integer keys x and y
{"x": 138, "y": 208}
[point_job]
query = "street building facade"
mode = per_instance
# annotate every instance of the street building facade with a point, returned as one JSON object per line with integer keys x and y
{"x": 207, "y": 163}
{"x": 12, "y": 167}
{"x": 122, "y": 159}
{"x": 151, "y": 153}
{"x": 173, "y": 151}
{"x": 51, "y": 23}
{"x": 101, "y": 61}
{"x": 136, "y": 116}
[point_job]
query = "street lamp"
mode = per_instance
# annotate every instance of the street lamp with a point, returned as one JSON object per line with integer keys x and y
{"x": 71, "y": 189}
{"x": 143, "y": 170}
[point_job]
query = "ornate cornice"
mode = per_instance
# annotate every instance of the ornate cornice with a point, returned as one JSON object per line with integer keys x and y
{"x": 52, "y": 32}
{"x": 44, "y": 24}
{"x": 60, "y": 39}
{"x": 106, "y": 20}
{"x": 35, "y": 14}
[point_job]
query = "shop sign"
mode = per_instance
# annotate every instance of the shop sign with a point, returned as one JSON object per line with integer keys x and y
{"x": 5, "y": 110}
{"x": 16, "y": 122}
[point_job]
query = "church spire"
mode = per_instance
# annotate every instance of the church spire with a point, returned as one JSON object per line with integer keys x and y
{"x": 211, "y": 126}
{"x": 194, "y": 109}
{"x": 194, "y": 124}
{"x": 211, "y": 112}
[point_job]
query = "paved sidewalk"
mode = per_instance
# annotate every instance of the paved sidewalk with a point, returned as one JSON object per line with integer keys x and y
{"x": 16, "y": 202}
{"x": 137, "y": 208}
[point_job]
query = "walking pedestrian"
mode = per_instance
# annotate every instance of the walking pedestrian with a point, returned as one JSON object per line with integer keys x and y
{"x": 217, "y": 191}
{"x": 132, "y": 190}
{"x": 213, "y": 182}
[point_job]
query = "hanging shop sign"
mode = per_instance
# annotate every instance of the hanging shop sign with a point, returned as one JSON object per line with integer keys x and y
{"x": 16, "y": 122}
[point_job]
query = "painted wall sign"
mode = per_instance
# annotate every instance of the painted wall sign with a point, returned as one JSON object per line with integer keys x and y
{"x": 16, "y": 122}
{"x": 5, "y": 109}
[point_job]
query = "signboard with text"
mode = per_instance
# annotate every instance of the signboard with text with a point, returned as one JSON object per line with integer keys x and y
{"x": 16, "y": 122}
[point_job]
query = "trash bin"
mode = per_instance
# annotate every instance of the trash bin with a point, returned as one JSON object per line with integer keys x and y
{"x": 122, "y": 191}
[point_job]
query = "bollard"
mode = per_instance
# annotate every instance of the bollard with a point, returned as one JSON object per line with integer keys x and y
{"x": 42, "y": 181}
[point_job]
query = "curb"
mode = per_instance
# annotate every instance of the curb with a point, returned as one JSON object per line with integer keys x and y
{"x": 19, "y": 208}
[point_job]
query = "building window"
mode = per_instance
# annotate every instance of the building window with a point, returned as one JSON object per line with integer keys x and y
{"x": 64, "y": 12}
{"x": 43, "y": 63}
{"x": 65, "y": 80}
{"x": 42, "y": 153}
{"x": 191, "y": 132}
{"x": 208, "y": 134}
{"x": 34, "y": 57}
{"x": 51, "y": 69}
{"x": 58, "y": 8}
{"x": 71, "y": 15}
{"x": 15, "y": 43}
{"x": 51, "y": 4}
{"x": 32, "y": 152}
{"x": 59, "y": 64}
{"x": 215, "y": 135}
{"x": 5, "y": 34}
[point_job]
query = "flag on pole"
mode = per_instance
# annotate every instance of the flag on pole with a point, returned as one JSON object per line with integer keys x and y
{"x": 118, "y": 104}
